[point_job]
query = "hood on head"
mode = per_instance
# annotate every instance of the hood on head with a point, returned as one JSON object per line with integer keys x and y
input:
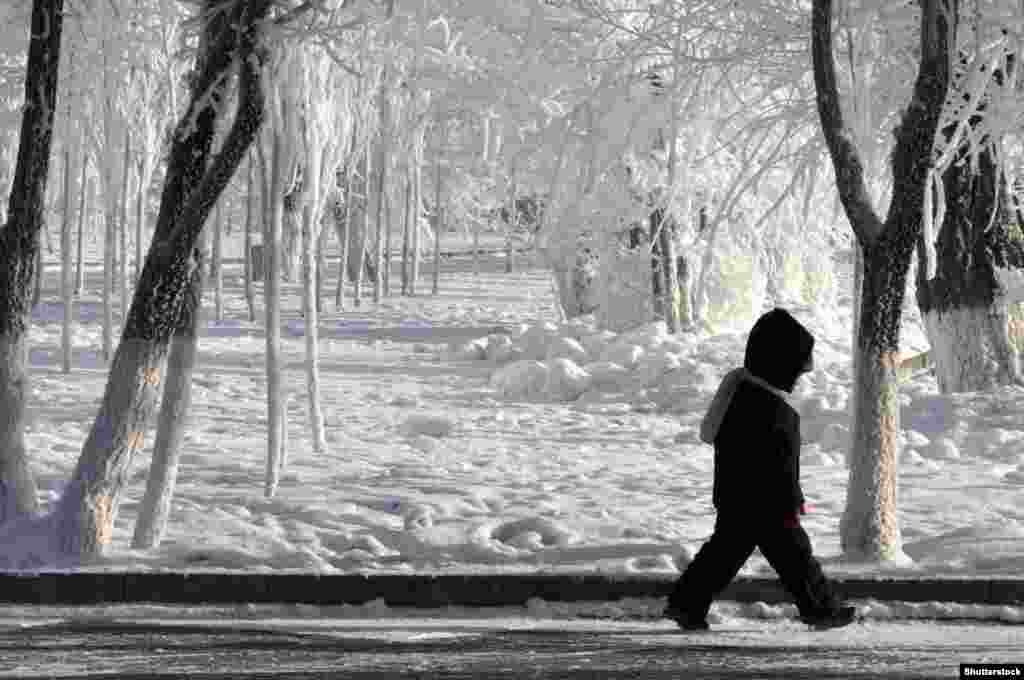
{"x": 778, "y": 348}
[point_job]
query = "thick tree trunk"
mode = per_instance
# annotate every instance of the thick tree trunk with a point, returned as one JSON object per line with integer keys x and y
{"x": 869, "y": 526}
{"x": 275, "y": 378}
{"x": 17, "y": 484}
{"x": 86, "y": 512}
{"x": 155, "y": 510}
{"x": 66, "y": 272}
{"x": 19, "y": 244}
{"x": 963, "y": 307}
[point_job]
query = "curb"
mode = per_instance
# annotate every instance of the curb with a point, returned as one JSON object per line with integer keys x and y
{"x": 434, "y": 591}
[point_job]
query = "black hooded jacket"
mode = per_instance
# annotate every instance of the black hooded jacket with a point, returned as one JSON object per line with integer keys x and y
{"x": 757, "y": 447}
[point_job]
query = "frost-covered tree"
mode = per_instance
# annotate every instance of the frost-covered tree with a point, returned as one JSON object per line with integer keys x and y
{"x": 971, "y": 252}
{"x": 870, "y": 525}
{"x": 19, "y": 246}
{"x": 80, "y": 525}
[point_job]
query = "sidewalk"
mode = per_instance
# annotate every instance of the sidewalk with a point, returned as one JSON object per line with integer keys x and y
{"x": 476, "y": 590}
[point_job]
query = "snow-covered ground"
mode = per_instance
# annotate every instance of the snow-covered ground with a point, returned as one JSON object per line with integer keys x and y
{"x": 436, "y": 465}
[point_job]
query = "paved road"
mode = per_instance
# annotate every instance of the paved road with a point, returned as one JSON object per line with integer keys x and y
{"x": 495, "y": 648}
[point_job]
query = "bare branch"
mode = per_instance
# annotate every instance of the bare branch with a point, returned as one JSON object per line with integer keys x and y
{"x": 849, "y": 169}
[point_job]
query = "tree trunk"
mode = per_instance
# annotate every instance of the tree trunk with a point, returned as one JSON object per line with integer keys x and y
{"x": 122, "y": 265}
{"x": 869, "y": 528}
{"x": 417, "y": 184}
{"x": 217, "y": 263}
{"x": 109, "y": 161}
{"x": 19, "y": 242}
{"x": 383, "y": 151}
{"x": 510, "y": 227}
{"x": 275, "y": 378}
{"x": 310, "y": 220}
{"x": 386, "y": 209}
{"x": 342, "y": 221}
{"x": 145, "y": 174}
{"x": 86, "y": 512}
{"x": 321, "y": 260}
{"x": 37, "y": 282}
{"x": 250, "y": 217}
{"x": 365, "y": 236}
{"x": 83, "y": 211}
{"x": 155, "y": 509}
{"x": 667, "y": 245}
{"x": 406, "y": 238}
{"x": 66, "y": 283}
{"x": 292, "y": 231}
{"x": 438, "y": 209}
{"x": 963, "y": 307}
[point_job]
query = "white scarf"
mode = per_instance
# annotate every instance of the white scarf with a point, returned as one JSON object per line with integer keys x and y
{"x": 723, "y": 397}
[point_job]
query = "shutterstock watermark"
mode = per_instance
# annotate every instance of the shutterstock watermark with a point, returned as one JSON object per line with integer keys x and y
{"x": 992, "y": 670}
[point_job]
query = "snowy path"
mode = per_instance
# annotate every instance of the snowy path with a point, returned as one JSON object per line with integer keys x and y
{"x": 496, "y": 648}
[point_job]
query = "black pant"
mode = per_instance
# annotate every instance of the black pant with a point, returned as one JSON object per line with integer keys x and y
{"x": 719, "y": 560}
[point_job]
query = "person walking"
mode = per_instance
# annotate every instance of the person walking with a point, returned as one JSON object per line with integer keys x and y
{"x": 756, "y": 491}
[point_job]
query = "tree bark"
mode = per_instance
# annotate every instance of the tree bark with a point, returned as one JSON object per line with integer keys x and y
{"x": 194, "y": 182}
{"x": 667, "y": 246}
{"x": 869, "y": 528}
{"x": 217, "y": 262}
{"x": 37, "y": 282}
{"x": 19, "y": 243}
{"x": 145, "y": 174}
{"x": 342, "y": 221}
{"x": 292, "y": 230}
{"x": 438, "y": 209}
{"x": 155, "y": 510}
{"x": 122, "y": 264}
{"x": 357, "y": 296}
{"x": 310, "y": 220}
{"x": 66, "y": 272}
{"x": 251, "y": 197}
{"x": 964, "y": 306}
{"x": 109, "y": 209}
{"x": 416, "y": 209}
{"x": 406, "y": 236}
{"x": 83, "y": 211}
{"x": 383, "y": 150}
{"x": 275, "y": 378}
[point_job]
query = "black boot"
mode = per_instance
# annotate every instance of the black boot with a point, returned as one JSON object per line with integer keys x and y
{"x": 834, "y": 618}
{"x": 684, "y": 620}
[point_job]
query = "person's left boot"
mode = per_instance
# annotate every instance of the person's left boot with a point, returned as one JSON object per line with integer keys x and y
{"x": 685, "y": 620}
